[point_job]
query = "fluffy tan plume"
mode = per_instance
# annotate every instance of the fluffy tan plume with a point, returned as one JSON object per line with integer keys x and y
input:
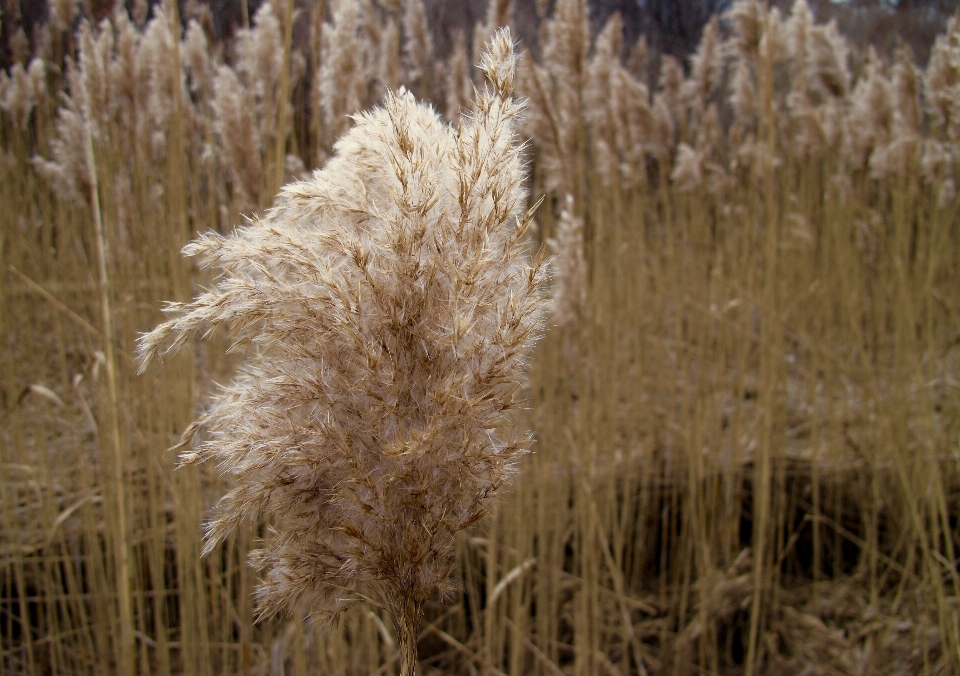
{"x": 344, "y": 67}
{"x": 687, "y": 171}
{"x": 240, "y": 141}
{"x": 942, "y": 81}
{"x": 747, "y": 19}
{"x": 597, "y": 93}
{"x": 569, "y": 268}
{"x": 706, "y": 64}
{"x": 387, "y": 306}
{"x": 827, "y": 60}
{"x": 870, "y": 115}
{"x": 62, "y": 14}
{"x": 20, "y": 96}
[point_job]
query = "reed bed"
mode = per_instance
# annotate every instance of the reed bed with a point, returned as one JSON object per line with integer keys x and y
{"x": 745, "y": 405}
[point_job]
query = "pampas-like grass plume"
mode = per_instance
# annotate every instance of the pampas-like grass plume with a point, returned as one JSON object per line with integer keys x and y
{"x": 570, "y": 269}
{"x": 387, "y": 306}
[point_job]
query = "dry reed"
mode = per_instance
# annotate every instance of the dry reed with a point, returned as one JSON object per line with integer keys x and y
{"x": 388, "y": 307}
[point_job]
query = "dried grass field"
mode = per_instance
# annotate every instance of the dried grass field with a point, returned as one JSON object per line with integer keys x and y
{"x": 745, "y": 404}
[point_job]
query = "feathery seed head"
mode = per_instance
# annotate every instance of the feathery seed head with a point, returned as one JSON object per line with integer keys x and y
{"x": 598, "y": 95}
{"x": 871, "y": 113}
{"x": 344, "y": 66}
{"x": 775, "y": 38}
{"x": 906, "y": 92}
{"x": 93, "y": 86}
{"x": 197, "y": 61}
{"x": 747, "y": 18}
{"x": 568, "y": 41}
{"x": 687, "y": 171}
{"x": 827, "y": 60}
{"x": 670, "y": 82}
{"x": 62, "y": 13}
{"x": 159, "y": 69}
{"x": 798, "y": 31}
{"x": 240, "y": 139}
{"x": 706, "y": 65}
{"x": 19, "y": 98}
{"x": 570, "y": 268}
{"x": 388, "y": 304}
{"x": 942, "y": 81}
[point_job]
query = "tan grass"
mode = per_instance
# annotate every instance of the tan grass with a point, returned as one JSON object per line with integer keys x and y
{"x": 745, "y": 443}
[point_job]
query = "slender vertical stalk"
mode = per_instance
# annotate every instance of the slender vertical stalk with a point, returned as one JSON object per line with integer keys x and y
{"x": 281, "y": 146}
{"x": 178, "y": 156}
{"x": 316, "y": 122}
{"x": 407, "y": 614}
{"x": 769, "y": 328}
{"x": 121, "y": 545}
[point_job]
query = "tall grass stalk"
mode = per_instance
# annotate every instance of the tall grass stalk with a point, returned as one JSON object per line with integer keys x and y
{"x": 121, "y": 542}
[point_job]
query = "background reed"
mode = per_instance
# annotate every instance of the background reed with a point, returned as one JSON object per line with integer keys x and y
{"x": 747, "y": 433}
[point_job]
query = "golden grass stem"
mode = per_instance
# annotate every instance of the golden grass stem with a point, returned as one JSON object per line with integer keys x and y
{"x": 280, "y": 149}
{"x": 121, "y": 547}
{"x": 74, "y": 317}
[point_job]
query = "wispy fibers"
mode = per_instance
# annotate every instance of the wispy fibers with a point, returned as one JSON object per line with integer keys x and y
{"x": 386, "y": 306}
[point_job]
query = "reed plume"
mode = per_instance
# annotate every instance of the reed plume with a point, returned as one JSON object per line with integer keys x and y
{"x": 601, "y": 73}
{"x": 555, "y": 90}
{"x": 387, "y": 306}
{"x": 92, "y": 100}
{"x": 344, "y": 67}
{"x": 23, "y": 88}
{"x": 240, "y": 142}
{"x": 417, "y": 48}
{"x": 198, "y": 65}
{"x": 570, "y": 268}
{"x": 161, "y": 77}
{"x": 706, "y": 66}
{"x": 827, "y": 63}
{"x": 807, "y": 137}
{"x": 667, "y": 101}
{"x": 942, "y": 82}
{"x": 687, "y": 171}
{"x": 747, "y": 17}
{"x": 908, "y": 113}
{"x": 901, "y": 152}
{"x": 62, "y": 14}
{"x": 618, "y": 110}
{"x": 870, "y": 113}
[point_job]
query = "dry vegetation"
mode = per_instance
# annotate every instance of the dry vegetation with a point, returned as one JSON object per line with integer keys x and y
{"x": 746, "y": 406}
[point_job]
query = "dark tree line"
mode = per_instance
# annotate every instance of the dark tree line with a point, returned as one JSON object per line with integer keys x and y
{"x": 670, "y": 26}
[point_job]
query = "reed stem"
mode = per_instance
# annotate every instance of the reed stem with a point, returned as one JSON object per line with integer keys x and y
{"x": 407, "y": 615}
{"x": 121, "y": 543}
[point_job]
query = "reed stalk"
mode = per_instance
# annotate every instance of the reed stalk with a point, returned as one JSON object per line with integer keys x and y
{"x": 125, "y": 655}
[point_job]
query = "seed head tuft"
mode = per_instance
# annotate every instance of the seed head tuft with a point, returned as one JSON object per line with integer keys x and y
{"x": 387, "y": 306}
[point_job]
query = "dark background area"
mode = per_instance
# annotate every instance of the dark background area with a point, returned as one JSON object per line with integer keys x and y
{"x": 670, "y": 26}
